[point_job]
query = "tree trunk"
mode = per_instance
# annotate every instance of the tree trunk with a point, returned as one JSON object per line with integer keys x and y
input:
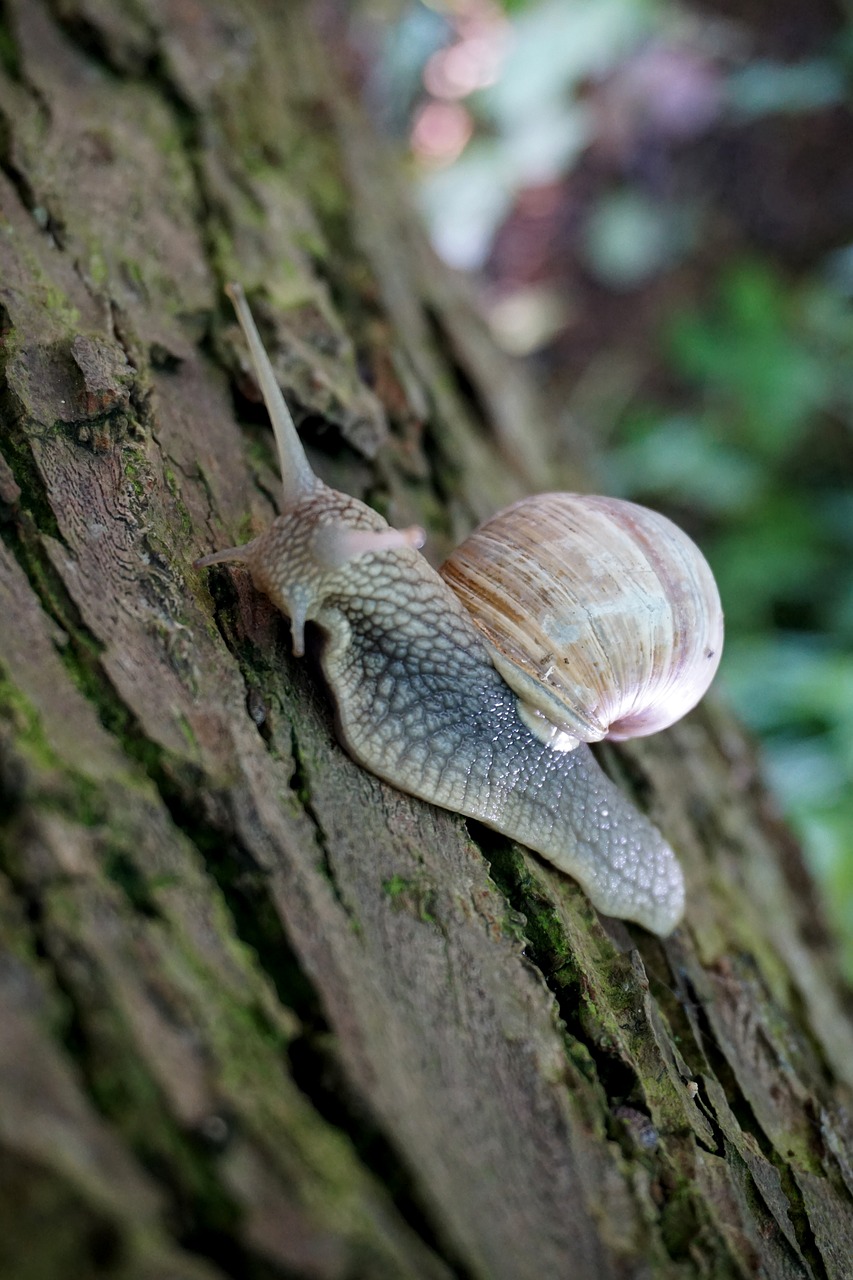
{"x": 262, "y": 1015}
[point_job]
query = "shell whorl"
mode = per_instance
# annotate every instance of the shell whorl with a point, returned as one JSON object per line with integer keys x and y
{"x": 603, "y": 616}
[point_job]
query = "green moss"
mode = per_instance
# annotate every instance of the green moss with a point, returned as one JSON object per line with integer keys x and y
{"x": 416, "y": 897}
{"x": 220, "y": 250}
{"x": 260, "y": 450}
{"x": 582, "y": 1060}
{"x": 134, "y": 273}
{"x": 49, "y": 313}
{"x": 395, "y": 886}
{"x": 81, "y": 659}
{"x": 133, "y": 470}
{"x": 57, "y": 303}
{"x": 186, "y": 528}
{"x": 123, "y": 871}
{"x": 33, "y": 498}
{"x": 126, "y": 1094}
{"x": 293, "y": 290}
{"x": 118, "y": 1077}
{"x": 19, "y": 713}
{"x": 543, "y": 928}
{"x": 312, "y": 243}
{"x": 188, "y": 734}
{"x": 59, "y": 786}
{"x": 679, "y": 1223}
{"x": 99, "y": 270}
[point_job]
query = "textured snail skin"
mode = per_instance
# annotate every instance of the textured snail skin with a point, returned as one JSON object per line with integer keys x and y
{"x": 420, "y": 704}
{"x": 418, "y": 700}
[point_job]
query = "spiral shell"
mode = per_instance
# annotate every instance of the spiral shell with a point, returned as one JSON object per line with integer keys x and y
{"x": 601, "y": 615}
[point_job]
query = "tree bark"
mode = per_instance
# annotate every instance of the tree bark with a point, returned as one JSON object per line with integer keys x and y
{"x": 262, "y": 1015}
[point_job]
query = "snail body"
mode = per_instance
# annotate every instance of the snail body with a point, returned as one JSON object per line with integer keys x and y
{"x": 420, "y": 699}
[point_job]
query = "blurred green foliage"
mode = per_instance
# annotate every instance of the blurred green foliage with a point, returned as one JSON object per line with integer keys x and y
{"x": 764, "y": 462}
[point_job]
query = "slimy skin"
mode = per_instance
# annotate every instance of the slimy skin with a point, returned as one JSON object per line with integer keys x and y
{"x": 419, "y": 702}
{"x": 421, "y": 705}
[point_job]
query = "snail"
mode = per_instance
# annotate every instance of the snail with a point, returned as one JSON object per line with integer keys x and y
{"x": 478, "y": 687}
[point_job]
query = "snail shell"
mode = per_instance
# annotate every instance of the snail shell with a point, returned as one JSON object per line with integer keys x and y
{"x": 602, "y": 616}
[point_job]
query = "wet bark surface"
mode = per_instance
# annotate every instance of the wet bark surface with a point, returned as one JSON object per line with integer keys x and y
{"x": 262, "y": 1015}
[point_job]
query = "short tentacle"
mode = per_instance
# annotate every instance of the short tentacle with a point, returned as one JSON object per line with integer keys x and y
{"x": 227, "y": 554}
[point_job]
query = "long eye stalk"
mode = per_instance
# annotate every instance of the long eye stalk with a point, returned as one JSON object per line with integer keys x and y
{"x": 297, "y": 478}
